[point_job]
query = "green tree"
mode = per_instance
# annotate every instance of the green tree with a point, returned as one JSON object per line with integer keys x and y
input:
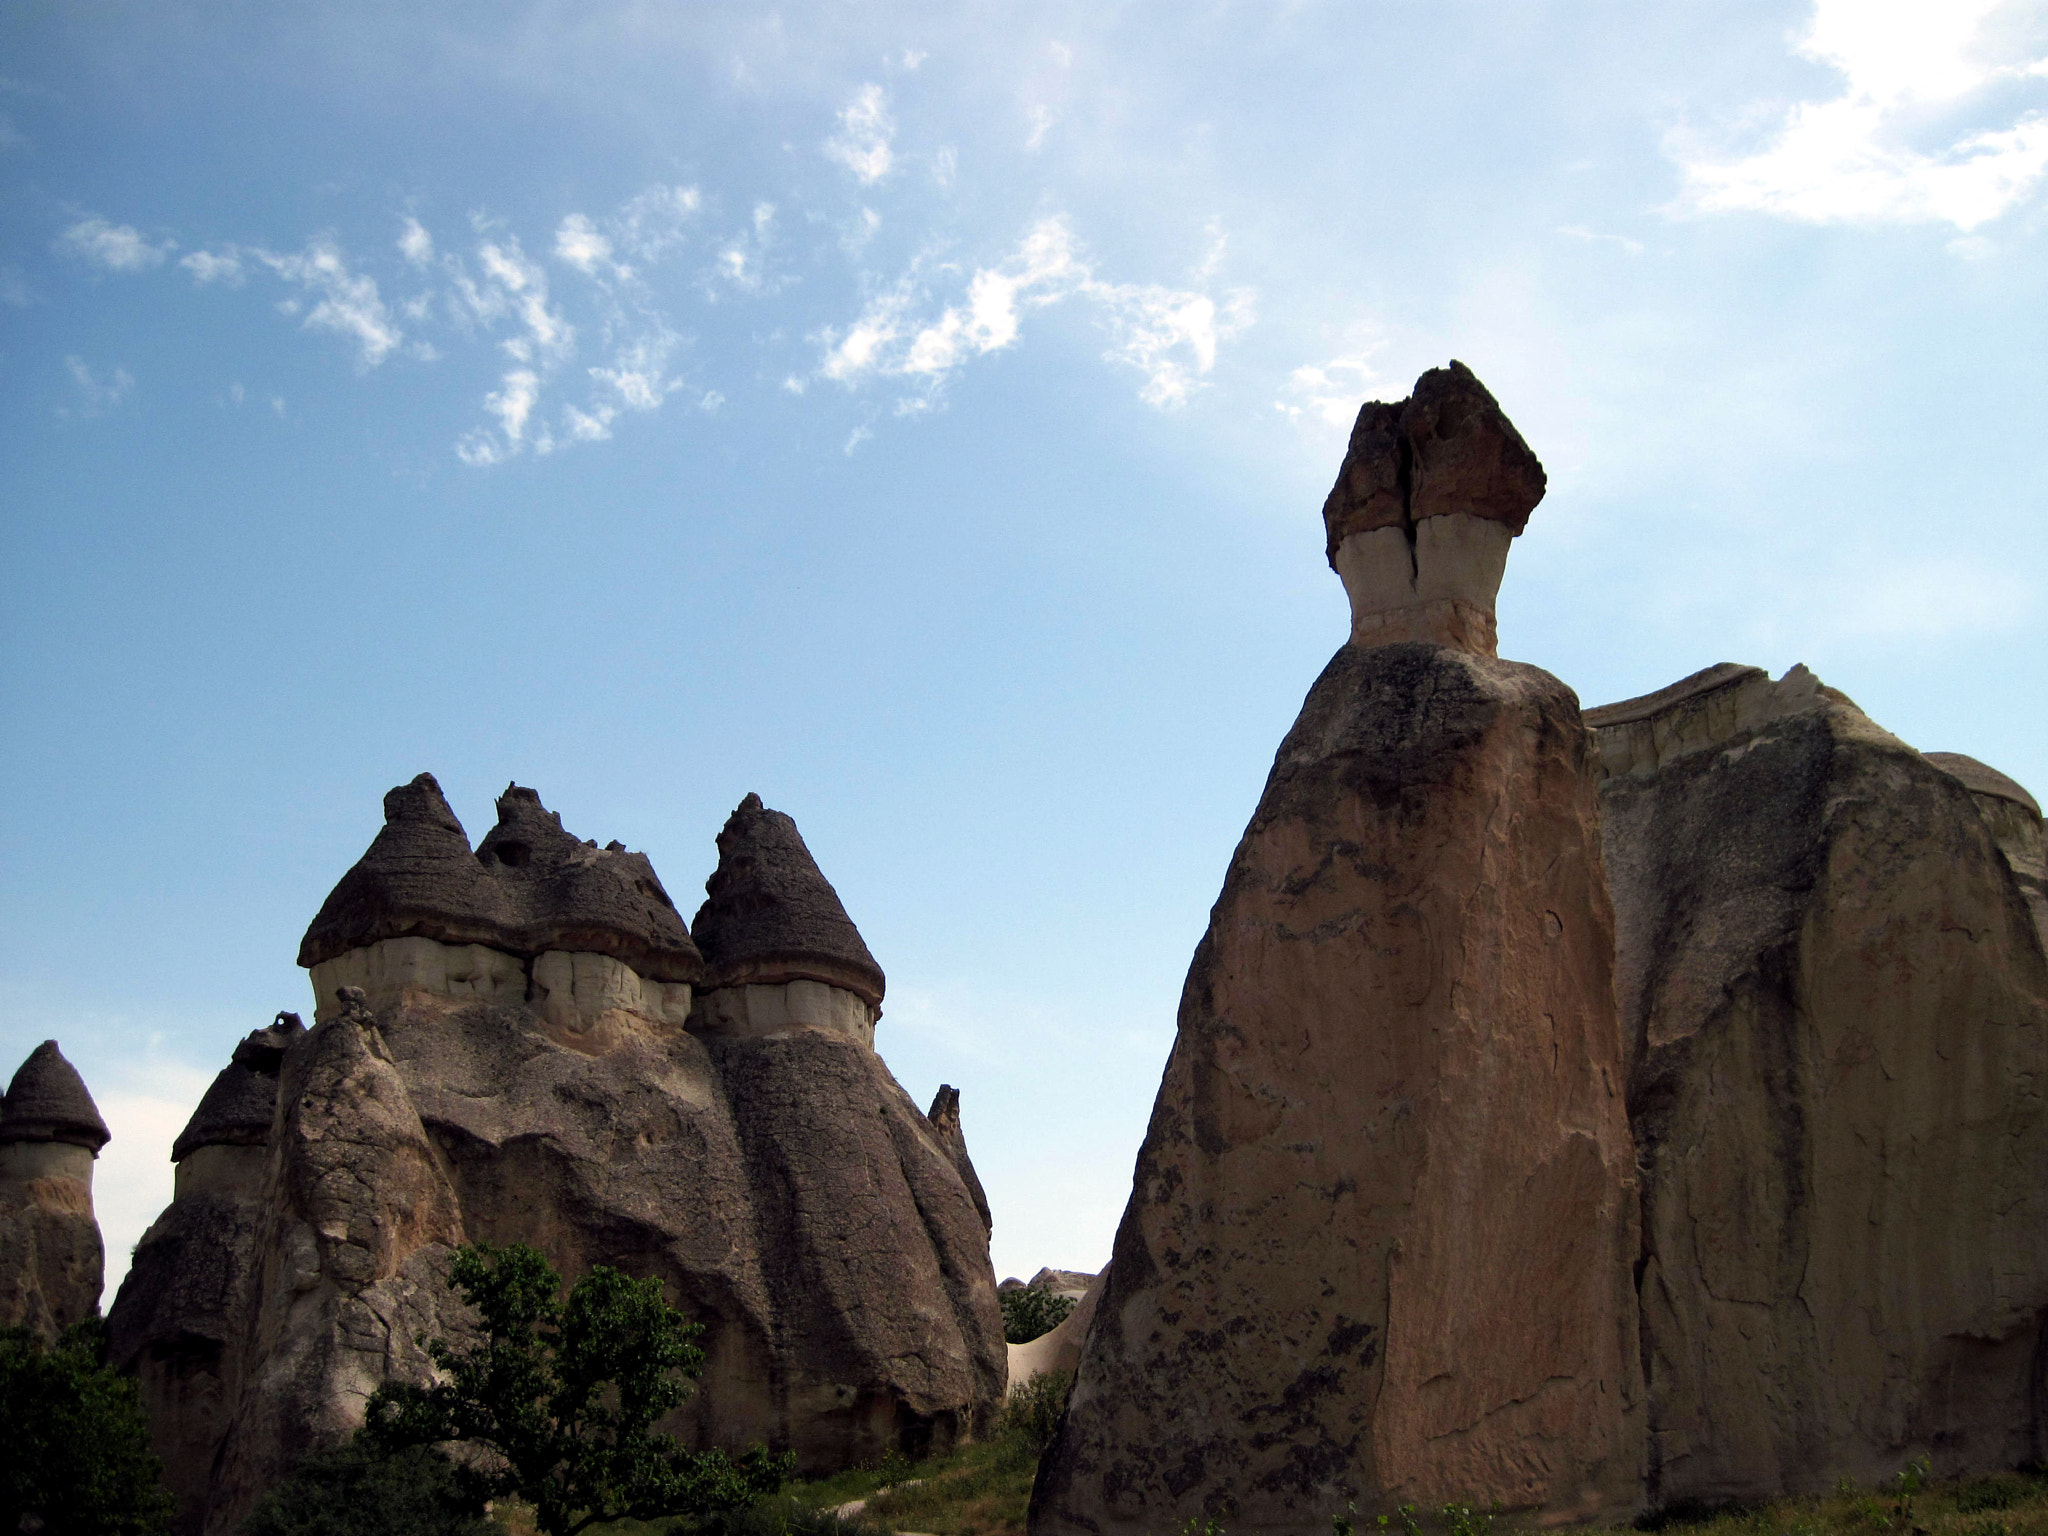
{"x": 359, "y": 1490}
{"x": 1029, "y": 1313}
{"x": 562, "y": 1399}
{"x": 74, "y": 1446}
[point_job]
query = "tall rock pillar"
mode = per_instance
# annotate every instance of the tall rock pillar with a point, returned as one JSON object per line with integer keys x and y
{"x": 1379, "y": 1243}
{"x": 52, "y": 1264}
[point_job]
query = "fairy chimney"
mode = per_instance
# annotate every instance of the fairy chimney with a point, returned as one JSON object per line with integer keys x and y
{"x": 779, "y": 949}
{"x": 52, "y": 1263}
{"x": 1432, "y": 491}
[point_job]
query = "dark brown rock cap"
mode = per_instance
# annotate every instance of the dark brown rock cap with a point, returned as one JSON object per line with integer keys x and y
{"x": 571, "y": 894}
{"x": 530, "y": 887}
{"x": 1982, "y": 779}
{"x": 770, "y": 915}
{"x": 47, "y": 1101}
{"x": 236, "y": 1109}
{"x": 1447, "y": 448}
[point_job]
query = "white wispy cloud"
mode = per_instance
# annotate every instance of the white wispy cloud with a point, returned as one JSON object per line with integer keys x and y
{"x": 346, "y": 302}
{"x": 866, "y": 130}
{"x": 1328, "y": 394}
{"x": 742, "y": 262}
{"x": 223, "y": 266}
{"x": 1866, "y": 155}
{"x": 98, "y": 393}
{"x": 582, "y": 245}
{"x": 113, "y": 247}
{"x": 415, "y": 244}
{"x": 549, "y": 338}
{"x": 1170, "y": 335}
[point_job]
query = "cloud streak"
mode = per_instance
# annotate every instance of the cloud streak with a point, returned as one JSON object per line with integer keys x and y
{"x": 113, "y": 247}
{"x": 1854, "y": 157}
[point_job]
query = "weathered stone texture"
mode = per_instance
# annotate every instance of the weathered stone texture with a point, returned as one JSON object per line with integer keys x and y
{"x": 52, "y": 1263}
{"x": 1431, "y": 492}
{"x": 1837, "y": 1009}
{"x": 1380, "y": 1240}
{"x": 745, "y": 1145}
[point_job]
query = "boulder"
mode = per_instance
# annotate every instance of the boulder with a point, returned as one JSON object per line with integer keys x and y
{"x": 1836, "y": 1005}
{"x": 52, "y": 1263}
{"x": 1379, "y": 1244}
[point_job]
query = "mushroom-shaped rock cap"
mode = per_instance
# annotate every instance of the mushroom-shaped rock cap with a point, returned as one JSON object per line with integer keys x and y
{"x": 47, "y": 1101}
{"x": 574, "y": 895}
{"x": 418, "y": 878}
{"x": 1447, "y": 448}
{"x": 530, "y": 887}
{"x": 1982, "y": 778}
{"x": 235, "y": 1112}
{"x": 770, "y": 915}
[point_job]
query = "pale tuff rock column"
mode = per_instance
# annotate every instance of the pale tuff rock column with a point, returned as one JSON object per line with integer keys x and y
{"x": 1431, "y": 493}
{"x": 1837, "y": 1006}
{"x": 184, "y": 1311}
{"x": 1380, "y": 1239}
{"x": 888, "y": 1335}
{"x": 52, "y": 1264}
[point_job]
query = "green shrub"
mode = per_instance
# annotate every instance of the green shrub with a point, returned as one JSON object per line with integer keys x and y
{"x": 358, "y": 1490}
{"x": 1989, "y": 1493}
{"x": 1031, "y": 1314}
{"x": 1033, "y": 1407}
{"x": 74, "y": 1446}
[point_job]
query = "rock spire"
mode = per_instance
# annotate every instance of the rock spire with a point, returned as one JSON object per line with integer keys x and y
{"x": 1431, "y": 491}
{"x": 47, "y": 1101}
{"x": 771, "y": 916}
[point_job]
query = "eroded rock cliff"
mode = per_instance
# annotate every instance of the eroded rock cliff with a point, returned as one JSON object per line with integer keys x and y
{"x": 1836, "y": 1003}
{"x": 1380, "y": 1240}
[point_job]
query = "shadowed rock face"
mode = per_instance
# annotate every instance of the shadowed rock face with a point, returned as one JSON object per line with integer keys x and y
{"x": 945, "y": 1118}
{"x": 1431, "y": 491}
{"x": 1379, "y": 1243}
{"x": 760, "y": 1161}
{"x": 52, "y": 1263}
{"x": 1837, "y": 1008}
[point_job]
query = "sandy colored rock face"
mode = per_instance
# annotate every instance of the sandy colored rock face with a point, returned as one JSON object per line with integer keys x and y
{"x": 1380, "y": 1240}
{"x": 753, "y": 1009}
{"x": 1838, "y": 1013}
{"x": 1058, "y": 1349}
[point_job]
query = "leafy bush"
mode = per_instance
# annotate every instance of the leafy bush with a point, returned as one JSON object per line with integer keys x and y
{"x": 74, "y": 1446}
{"x": 1033, "y": 1407}
{"x": 1031, "y": 1314}
{"x": 563, "y": 1397}
{"x": 358, "y": 1490}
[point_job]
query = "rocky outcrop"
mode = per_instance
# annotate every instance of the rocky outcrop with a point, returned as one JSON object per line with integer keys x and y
{"x": 1058, "y": 1351}
{"x": 52, "y": 1263}
{"x": 185, "y": 1306}
{"x": 1431, "y": 492}
{"x": 2014, "y": 817}
{"x": 1837, "y": 1011}
{"x": 512, "y": 1048}
{"x": 1380, "y": 1242}
{"x": 857, "y": 1195}
{"x": 945, "y": 1118}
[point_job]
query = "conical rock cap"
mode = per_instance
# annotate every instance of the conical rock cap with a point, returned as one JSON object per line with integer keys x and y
{"x": 236, "y": 1109}
{"x": 47, "y": 1101}
{"x": 770, "y": 915}
{"x": 418, "y": 877}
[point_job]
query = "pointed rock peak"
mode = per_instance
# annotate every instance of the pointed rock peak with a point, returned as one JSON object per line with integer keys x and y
{"x": 1447, "y": 448}
{"x": 47, "y": 1101}
{"x": 528, "y": 834}
{"x": 945, "y": 1119}
{"x": 770, "y": 915}
{"x": 417, "y": 877}
{"x": 422, "y": 801}
{"x": 945, "y": 1111}
{"x": 262, "y": 1050}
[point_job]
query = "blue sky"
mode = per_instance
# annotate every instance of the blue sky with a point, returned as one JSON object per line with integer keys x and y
{"x": 920, "y": 415}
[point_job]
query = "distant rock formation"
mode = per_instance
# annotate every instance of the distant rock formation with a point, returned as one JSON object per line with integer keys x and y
{"x": 512, "y": 1045}
{"x": 52, "y": 1263}
{"x": 1059, "y": 1350}
{"x": 1836, "y": 1003}
{"x": 1380, "y": 1240}
{"x": 185, "y": 1306}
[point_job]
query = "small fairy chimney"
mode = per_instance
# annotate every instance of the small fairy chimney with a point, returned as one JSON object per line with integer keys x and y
{"x": 52, "y": 1264}
{"x": 224, "y": 1148}
{"x": 779, "y": 950}
{"x": 1432, "y": 491}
